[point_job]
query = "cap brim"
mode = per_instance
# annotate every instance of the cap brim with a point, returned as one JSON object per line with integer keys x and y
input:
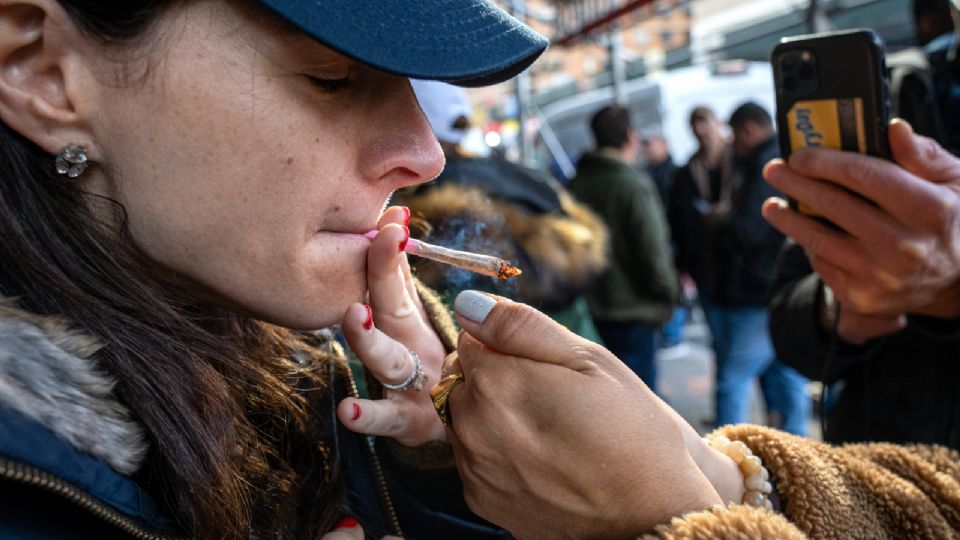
{"x": 463, "y": 42}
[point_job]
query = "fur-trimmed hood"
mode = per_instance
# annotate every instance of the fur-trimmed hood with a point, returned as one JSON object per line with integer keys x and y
{"x": 47, "y": 374}
{"x": 561, "y": 253}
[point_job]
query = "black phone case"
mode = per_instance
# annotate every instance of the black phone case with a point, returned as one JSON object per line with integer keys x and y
{"x": 850, "y": 68}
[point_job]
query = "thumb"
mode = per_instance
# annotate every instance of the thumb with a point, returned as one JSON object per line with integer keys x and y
{"x": 517, "y": 329}
{"x": 921, "y": 155}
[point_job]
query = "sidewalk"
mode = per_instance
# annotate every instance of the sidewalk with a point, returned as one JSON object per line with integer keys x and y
{"x": 686, "y": 379}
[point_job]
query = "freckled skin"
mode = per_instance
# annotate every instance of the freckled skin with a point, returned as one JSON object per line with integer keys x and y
{"x": 234, "y": 167}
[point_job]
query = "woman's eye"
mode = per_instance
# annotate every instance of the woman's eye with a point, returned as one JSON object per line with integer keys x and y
{"x": 330, "y": 85}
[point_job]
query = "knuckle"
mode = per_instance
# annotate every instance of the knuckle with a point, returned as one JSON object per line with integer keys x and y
{"x": 830, "y": 201}
{"x": 519, "y": 318}
{"x": 801, "y": 161}
{"x": 396, "y": 424}
{"x": 591, "y": 352}
{"x": 929, "y": 151}
{"x": 948, "y": 221}
{"x": 863, "y": 301}
{"x": 857, "y": 168}
{"x": 483, "y": 381}
{"x": 816, "y": 240}
{"x": 399, "y": 366}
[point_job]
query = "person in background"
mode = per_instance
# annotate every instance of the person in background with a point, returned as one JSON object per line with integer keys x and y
{"x": 732, "y": 260}
{"x": 637, "y": 294}
{"x": 926, "y": 83}
{"x": 932, "y": 19}
{"x": 660, "y": 166}
{"x": 700, "y": 187}
{"x": 658, "y": 163}
{"x": 487, "y": 204}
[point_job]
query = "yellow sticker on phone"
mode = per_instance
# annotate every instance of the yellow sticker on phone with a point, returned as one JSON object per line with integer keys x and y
{"x": 827, "y": 123}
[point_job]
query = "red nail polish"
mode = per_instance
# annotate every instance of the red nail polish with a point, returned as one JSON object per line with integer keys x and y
{"x": 347, "y": 523}
{"x": 403, "y": 245}
{"x": 406, "y": 216}
{"x": 368, "y": 323}
{"x": 356, "y": 412}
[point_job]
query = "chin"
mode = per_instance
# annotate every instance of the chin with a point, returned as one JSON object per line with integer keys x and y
{"x": 327, "y": 310}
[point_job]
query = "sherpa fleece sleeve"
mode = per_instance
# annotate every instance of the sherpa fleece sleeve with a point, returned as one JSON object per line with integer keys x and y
{"x": 850, "y": 492}
{"x": 440, "y": 317}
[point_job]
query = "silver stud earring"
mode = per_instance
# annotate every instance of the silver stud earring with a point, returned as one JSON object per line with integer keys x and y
{"x": 72, "y": 161}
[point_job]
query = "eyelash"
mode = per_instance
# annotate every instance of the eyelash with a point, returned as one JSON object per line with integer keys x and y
{"x": 330, "y": 85}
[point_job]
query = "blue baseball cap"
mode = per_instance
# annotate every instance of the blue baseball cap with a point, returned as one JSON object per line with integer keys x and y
{"x": 463, "y": 42}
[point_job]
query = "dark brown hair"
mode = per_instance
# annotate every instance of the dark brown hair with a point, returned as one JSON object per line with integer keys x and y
{"x": 750, "y": 112}
{"x": 701, "y": 113}
{"x": 230, "y": 415}
{"x": 611, "y": 126}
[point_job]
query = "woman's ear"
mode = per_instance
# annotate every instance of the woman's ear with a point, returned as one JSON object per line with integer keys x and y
{"x": 46, "y": 86}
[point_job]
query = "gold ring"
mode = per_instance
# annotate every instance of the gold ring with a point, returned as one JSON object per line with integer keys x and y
{"x": 441, "y": 393}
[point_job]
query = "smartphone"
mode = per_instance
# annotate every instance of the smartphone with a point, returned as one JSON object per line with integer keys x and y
{"x": 833, "y": 91}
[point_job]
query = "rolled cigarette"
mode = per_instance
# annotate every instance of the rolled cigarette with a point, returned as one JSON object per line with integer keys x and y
{"x": 473, "y": 262}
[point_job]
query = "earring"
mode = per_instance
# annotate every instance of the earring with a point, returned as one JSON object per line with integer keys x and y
{"x": 72, "y": 161}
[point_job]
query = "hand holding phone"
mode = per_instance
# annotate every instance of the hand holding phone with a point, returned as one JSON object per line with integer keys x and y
{"x": 832, "y": 92}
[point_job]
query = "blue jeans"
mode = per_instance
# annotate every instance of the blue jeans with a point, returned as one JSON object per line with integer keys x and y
{"x": 672, "y": 333}
{"x": 744, "y": 352}
{"x": 635, "y": 344}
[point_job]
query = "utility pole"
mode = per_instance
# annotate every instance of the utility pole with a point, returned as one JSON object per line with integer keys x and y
{"x": 523, "y": 94}
{"x": 615, "y": 54}
{"x": 816, "y": 19}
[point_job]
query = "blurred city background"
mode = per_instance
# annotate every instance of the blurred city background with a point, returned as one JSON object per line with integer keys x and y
{"x": 646, "y": 52}
{"x": 660, "y": 59}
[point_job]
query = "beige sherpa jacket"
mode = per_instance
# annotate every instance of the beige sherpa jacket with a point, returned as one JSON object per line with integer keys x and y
{"x": 868, "y": 491}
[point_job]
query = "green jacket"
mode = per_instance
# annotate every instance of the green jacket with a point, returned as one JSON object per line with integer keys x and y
{"x": 641, "y": 284}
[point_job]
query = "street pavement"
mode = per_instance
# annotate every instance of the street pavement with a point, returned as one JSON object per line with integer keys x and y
{"x": 686, "y": 379}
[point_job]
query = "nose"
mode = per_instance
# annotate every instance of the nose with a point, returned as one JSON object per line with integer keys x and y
{"x": 405, "y": 151}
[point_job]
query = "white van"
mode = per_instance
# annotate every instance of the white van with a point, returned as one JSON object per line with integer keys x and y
{"x": 662, "y": 102}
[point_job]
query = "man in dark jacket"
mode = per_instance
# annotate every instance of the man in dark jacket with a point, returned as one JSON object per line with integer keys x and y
{"x": 659, "y": 164}
{"x": 636, "y": 295}
{"x": 730, "y": 250}
{"x": 889, "y": 380}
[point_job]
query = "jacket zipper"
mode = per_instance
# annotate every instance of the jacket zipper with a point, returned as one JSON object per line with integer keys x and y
{"x": 24, "y": 474}
{"x": 377, "y": 468}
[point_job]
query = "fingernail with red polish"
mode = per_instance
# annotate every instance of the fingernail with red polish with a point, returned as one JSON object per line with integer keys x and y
{"x": 356, "y": 412}
{"x": 368, "y": 323}
{"x": 406, "y": 238}
{"x": 347, "y": 523}
{"x": 406, "y": 216}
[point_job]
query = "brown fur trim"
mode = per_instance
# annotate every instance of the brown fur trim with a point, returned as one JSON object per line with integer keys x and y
{"x": 859, "y": 491}
{"x": 56, "y": 329}
{"x": 736, "y": 522}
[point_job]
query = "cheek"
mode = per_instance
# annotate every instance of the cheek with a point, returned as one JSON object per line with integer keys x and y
{"x": 236, "y": 210}
{"x": 260, "y": 255}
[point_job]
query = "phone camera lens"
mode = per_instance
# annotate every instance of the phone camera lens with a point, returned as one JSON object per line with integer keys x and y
{"x": 790, "y": 84}
{"x": 806, "y": 72}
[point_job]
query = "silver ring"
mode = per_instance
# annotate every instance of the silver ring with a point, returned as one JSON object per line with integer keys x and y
{"x": 415, "y": 381}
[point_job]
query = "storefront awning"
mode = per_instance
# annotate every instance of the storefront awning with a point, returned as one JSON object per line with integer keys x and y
{"x": 576, "y": 19}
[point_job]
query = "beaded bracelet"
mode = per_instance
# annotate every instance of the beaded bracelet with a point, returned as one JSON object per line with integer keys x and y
{"x": 756, "y": 478}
